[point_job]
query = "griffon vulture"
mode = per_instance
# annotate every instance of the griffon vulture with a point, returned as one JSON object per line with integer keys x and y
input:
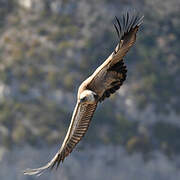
{"x": 106, "y": 79}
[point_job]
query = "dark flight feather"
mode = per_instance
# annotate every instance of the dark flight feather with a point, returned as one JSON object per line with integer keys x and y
{"x": 126, "y": 24}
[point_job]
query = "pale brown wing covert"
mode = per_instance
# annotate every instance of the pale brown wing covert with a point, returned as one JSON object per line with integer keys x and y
{"x": 112, "y": 73}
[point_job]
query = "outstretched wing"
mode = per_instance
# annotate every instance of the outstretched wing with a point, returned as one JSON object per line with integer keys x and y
{"x": 112, "y": 73}
{"x": 80, "y": 121}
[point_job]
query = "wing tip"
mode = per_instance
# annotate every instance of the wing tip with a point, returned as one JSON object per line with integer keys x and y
{"x": 130, "y": 19}
{"x": 36, "y": 172}
{"x": 41, "y": 170}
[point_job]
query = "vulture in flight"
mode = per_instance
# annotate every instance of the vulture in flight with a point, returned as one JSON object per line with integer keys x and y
{"x": 106, "y": 79}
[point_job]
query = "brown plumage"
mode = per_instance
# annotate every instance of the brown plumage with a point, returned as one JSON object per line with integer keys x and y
{"x": 106, "y": 79}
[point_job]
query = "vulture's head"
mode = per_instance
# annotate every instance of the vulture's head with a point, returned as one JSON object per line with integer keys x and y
{"x": 88, "y": 96}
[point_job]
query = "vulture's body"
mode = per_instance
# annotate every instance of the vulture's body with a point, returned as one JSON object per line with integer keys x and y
{"x": 106, "y": 79}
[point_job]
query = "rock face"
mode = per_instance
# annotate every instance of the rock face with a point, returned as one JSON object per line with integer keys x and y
{"x": 26, "y": 3}
{"x": 93, "y": 161}
{"x": 4, "y": 91}
{"x": 55, "y": 6}
{"x": 36, "y": 5}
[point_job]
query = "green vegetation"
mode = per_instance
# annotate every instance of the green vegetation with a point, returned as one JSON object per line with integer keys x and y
{"x": 45, "y": 54}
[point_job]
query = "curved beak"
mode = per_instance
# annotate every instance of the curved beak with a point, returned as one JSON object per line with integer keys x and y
{"x": 96, "y": 97}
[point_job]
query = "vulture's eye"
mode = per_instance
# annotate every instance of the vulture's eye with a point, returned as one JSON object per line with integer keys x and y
{"x": 83, "y": 99}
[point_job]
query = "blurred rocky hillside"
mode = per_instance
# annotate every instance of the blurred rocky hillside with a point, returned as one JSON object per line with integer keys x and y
{"x": 48, "y": 47}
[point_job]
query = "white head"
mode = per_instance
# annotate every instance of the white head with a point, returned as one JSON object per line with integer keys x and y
{"x": 88, "y": 96}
